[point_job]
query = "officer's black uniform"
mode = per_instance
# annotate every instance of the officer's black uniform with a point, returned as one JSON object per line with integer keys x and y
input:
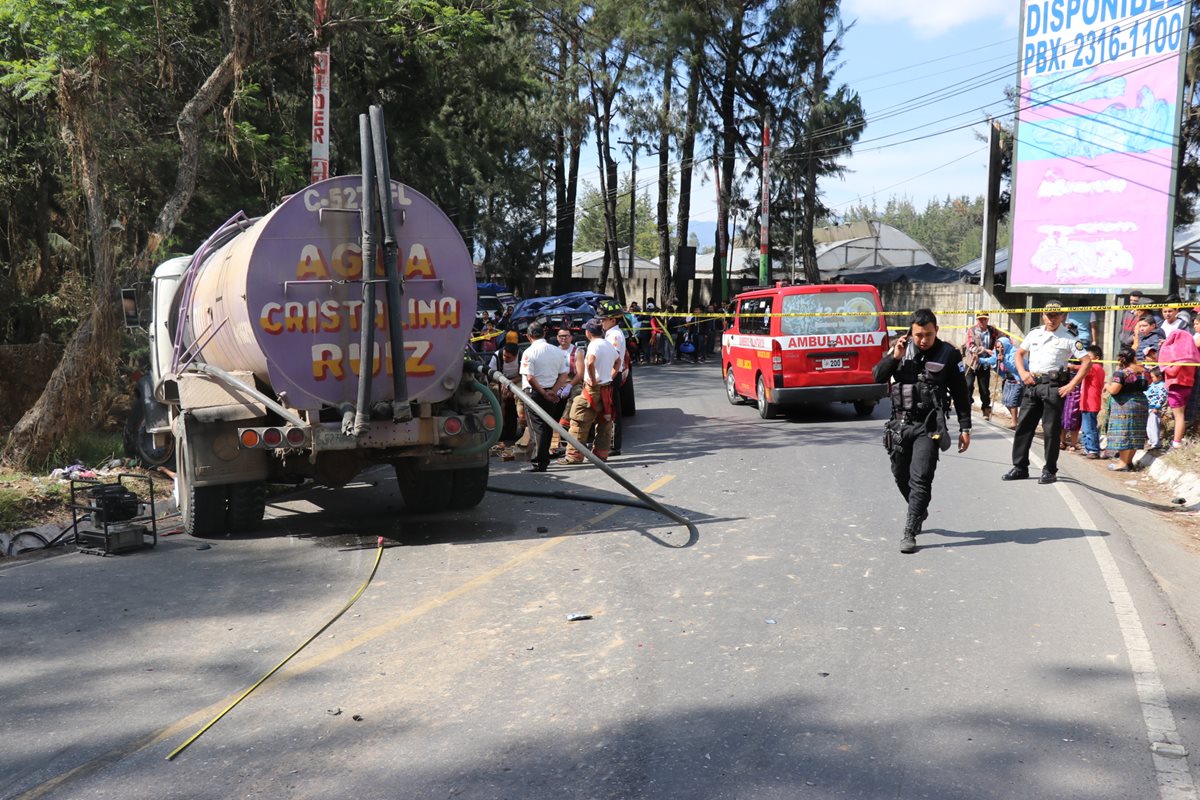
{"x": 919, "y": 396}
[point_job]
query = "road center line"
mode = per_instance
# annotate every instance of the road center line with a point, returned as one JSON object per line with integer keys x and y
{"x": 198, "y": 717}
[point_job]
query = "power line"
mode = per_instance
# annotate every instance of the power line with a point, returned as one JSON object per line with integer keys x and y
{"x": 561, "y": 214}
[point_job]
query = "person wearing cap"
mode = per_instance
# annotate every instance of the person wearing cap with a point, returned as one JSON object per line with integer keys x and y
{"x": 611, "y": 322}
{"x": 595, "y": 404}
{"x": 981, "y": 344}
{"x": 1042, "y": 363}
{"x": 544, "y": 372}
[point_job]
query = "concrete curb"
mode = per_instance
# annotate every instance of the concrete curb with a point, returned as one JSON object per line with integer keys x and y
{"x": 1182, "y": 484}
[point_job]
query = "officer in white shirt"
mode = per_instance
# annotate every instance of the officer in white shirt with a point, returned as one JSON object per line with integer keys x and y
{"x": 544, "y": 371}
{"x": 616, "y": 337}
{"x": 1047, "y": 380}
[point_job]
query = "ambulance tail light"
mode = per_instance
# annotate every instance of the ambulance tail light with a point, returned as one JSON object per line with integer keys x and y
{"x": 776, "y": 358}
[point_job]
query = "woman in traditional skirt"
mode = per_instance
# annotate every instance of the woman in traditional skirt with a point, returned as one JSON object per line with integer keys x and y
{"x": 1129, "y": 410}
{"x": 1072, "y": 419}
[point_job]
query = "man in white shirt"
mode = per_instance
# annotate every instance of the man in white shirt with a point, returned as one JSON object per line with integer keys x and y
{"x": 1173, "y": 320}
{"x": 1047, "y": 381}
{"x": 595, "y": 403}
{"x": 620, "y": 372}
{"x": 544, "y": 371}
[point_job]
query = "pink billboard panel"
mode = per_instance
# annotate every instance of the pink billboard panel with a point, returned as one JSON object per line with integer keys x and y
{"x": 1096, "y": 143}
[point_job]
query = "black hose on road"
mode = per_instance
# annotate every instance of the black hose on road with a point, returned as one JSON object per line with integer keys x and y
{"x": 651, "y": 503}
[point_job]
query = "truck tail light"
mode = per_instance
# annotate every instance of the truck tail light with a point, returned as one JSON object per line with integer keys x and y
{"x": 776, "y": 358}
{"x": 452, "y": 426}
{"x": 268, "y": 438}
{"x": 489, "y": 422}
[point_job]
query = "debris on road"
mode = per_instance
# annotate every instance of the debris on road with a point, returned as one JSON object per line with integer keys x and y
{"x": 578, "y": 617}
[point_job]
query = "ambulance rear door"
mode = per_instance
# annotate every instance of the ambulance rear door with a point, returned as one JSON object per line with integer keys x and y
{"x": 837, "y": 342}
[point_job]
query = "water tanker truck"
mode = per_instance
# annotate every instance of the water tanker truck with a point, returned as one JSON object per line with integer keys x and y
{"x": 257, "y": 342}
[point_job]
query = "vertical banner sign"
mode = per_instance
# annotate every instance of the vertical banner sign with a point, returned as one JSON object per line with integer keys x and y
{"x": 320, "y": 104}
{"x": 1097, "y": 138}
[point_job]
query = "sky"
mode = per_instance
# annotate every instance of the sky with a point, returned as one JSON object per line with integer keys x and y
{"x": 920, "y": 67}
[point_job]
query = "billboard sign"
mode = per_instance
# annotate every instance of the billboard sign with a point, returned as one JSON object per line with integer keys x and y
{"x": 1097, "y": 138}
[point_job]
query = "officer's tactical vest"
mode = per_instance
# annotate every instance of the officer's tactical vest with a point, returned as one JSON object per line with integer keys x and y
{"x": 921, "y": 384}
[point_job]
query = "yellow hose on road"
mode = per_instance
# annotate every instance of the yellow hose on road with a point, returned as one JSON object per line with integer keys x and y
{"x": 277, "y": 667}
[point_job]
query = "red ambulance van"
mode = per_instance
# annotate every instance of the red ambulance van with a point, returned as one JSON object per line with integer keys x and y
{"x": 789, "y": 360}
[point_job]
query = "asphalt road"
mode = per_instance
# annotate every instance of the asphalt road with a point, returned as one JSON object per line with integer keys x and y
{"x": 786, "y": 650}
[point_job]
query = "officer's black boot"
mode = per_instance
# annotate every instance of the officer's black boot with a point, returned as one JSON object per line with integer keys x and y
{"x": 912, "y": 526}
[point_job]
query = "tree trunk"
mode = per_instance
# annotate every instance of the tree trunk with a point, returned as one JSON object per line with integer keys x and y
{"x": 687, "y": 151}
{"x": 808, "y": 200}
{"x": 602, "y": 109}
{"x": 664, "y": 180}
{"x": 64, "y": 407}
{"x": 728, "y": 121}
{"x": 66, "y": 404}
{"x": 609, "y": 234}
{"x": 566, "y": 184}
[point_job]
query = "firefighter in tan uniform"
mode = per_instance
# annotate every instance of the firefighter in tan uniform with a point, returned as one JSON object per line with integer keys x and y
{"x": 595, "y": 403}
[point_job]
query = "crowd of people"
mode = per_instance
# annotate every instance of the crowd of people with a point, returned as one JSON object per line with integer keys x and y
{"x": 656, "y": 336}
{"x": 1141, "y": 400}
{"x": 578, "y": 381}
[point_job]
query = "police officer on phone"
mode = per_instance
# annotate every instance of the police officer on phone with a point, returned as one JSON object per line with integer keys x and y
{"x": 924, "y": 372}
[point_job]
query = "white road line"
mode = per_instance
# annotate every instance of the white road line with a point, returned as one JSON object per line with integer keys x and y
{"x": 1166, "y": 744}
{"x": 1173, "y": 773}
{"x": 1174, "y": 776}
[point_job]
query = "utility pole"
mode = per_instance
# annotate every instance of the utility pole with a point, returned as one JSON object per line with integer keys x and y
{"x": 991, "y": 217}
{"x": 319, "y": 168}
{"x": 764, "y": 258}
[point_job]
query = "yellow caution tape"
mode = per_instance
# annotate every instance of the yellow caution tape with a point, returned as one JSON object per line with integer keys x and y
{"x": 951, "y": 312}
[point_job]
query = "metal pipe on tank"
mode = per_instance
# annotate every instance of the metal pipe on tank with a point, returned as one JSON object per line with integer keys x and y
{"x": 395, "y": 293}
{"x": 369, "y": 221}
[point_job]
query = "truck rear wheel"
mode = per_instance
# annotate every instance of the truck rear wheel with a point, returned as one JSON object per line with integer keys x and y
{"x": 247, "y": 504}
{"x": 424, "y": 491}
{"x": 202, "y": 508}
{"x": 470, "y": 485}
